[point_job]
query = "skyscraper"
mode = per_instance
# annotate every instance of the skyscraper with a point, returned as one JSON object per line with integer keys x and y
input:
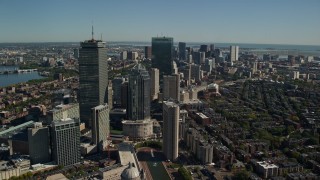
{"x": 147, "y": 52}
{"x": 162, "y": 54}
{"x": 203, "y": 48}
{"x": 66, "y": 142}
{"x": 154, "y": 74}
{"x": 116, "y": 87}
{"x": 182, "y": 51}
{"x": 138, "y": 93}
{"x": 171, "y": 87}
{"x": 170, "y": 129}
{"x": 234, "y": 53}
{"x": 93, "y": 77}
{"x": 100, "y": 129}
{"x": 39, "y": 144}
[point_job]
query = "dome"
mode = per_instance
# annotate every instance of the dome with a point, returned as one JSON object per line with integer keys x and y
{"x": 130, "y": 172}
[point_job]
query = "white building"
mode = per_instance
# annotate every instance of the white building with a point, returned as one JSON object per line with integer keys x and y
{"x": 100, "y": 126}
{"x": 234, "y": 53}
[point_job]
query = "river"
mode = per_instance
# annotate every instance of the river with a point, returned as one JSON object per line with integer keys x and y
{"x": 10, "y": 79}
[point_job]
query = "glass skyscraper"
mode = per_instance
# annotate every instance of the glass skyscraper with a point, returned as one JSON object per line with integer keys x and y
{"x": 162, "y": 54}
{"x": 139, "y": 93}
{"x": 93, "y": 78}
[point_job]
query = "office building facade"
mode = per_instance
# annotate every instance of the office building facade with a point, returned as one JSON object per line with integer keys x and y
{"x": 66, "y": 142}
{"x": 148, "y": 52}
{"x": 162, "y": 54}
{"x": 170, "y": 129}
{"x": 234, "y": 53}
{"x": 39, "y": 144}
{"x": 182, "y": 51}
{"x": 171, "y": 87}
{"x": 101, "y": 126}
{"x": 93, "y": 77}
{"x": 154, "y": 75}
{"x": 138, "y": 106}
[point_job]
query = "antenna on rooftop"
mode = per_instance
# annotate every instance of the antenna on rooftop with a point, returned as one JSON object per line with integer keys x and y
{"x": 101, "y": 37}
{"x": 92, "y": 32}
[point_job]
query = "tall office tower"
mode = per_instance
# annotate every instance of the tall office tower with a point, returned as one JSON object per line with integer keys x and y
{"x": 187, "y": 73}
{"x": 110, "y": 94}
{"x": 190, "y": 59}
{"x": 154, "y": 75}
{"x": 162, "y": 54}
{"x": 182, "y": 51}
{"x": 93, "y": 77}
{"x": 170, "y": 116}
{"x": 124, "y": 94}
{"x": 212, "y": 47}
{"x": 234, "y": 53}
{"x": 138, "y": 93}
{"x": 101, "y": 127}
{"x": 171, "y": 87}
{"x": 39, "y": 144}
{"x": 76, "y": 53}
{"x": 174, "y": 67}
{"x": 196, "y": 72}
{"x": 66, "y": 142}
{"x": 202, "y": 57}
{"x": 123, "y": 55}
{"x": 116, "y": 88}
{"x": 204, "y": 48}
{"x": 147, "y": 52}
{"x": 196, "y": 57}
{"x": 255, "y": 67}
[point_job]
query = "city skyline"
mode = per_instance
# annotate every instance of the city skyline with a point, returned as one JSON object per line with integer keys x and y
{"x": 271, "y": 22}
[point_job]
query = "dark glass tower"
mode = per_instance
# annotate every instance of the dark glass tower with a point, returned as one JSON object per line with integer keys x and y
{"x": 139, "y": 93}
{"x": 93, "y": 77}
{"x": 182, "y": 51}
{"x": 162, "y": 54}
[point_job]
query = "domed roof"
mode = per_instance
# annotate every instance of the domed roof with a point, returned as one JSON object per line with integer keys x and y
{"x": 130, "y": 172}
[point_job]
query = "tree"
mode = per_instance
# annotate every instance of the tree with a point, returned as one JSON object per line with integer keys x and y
{"x": 241, "y": 175}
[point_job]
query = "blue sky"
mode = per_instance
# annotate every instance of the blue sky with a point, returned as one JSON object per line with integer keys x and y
{"x": 229, "y": 21}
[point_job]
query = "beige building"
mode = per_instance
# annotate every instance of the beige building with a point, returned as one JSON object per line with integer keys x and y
{"x": 100, "y": 126}
{"x": 170, "y": 129}
{"x": 138, "y": 130}
{"x": 154, "y": 75}
{"x": 171, "y": 87}
{"x": 63, "y": 111}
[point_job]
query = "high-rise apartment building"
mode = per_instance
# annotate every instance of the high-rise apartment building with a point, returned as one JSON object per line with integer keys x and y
{"x": 162, "y": 54}
{"x": 182, "y": 51}
{"x": 93, "y": 77}
{"x": 39, "y": 144}
{"x": 234, "y": 53}
{"x": 101, "y": 126}
{"x": 66, "y": 142}
{"x": 138, "y": 106}
{"x": 170, "y": 129}
{"x": 171, "y": 87}
{"x": 154, "y": 75}
{"x": 148, "y": 52}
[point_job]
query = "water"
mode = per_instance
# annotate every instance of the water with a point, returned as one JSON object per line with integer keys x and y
{"x": 10, "y": 79}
